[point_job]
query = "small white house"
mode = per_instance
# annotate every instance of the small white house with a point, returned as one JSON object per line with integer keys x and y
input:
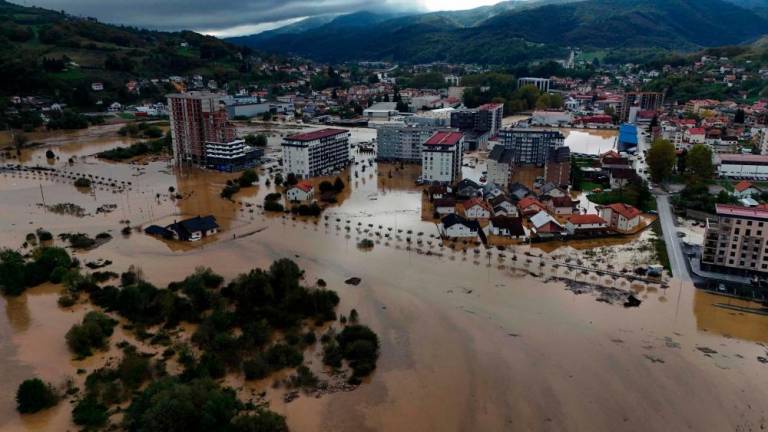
{"x": 583, "y": 224}
{"x": 476, "y": 208}
{"x": 300, "y": 192}
{"x": 445, "y": 207}
{"x": 455, "y": 226}
{"x": 745, "y": 189}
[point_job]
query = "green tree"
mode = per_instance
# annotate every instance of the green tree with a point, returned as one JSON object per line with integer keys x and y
{"x": 661, "y": 160}
{"x": 262, "y": 421}
{"x": 698, "y": 163}
{"x": 34, "y": 395}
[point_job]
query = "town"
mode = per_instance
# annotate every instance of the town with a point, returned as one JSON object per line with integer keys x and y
{"x": 325, "y": 224}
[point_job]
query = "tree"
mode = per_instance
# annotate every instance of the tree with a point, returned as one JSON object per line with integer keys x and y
{"x": 291, "y": 179}
{"x": 698, "y": 163}
{"x": 262, "y": 421}
{"x": 338, "y": 184}
{"x": 248, "y": 178}
{"x": 325, "y": 186}
{"x": 661, "y": 160}
{"x": 34, "y": 395}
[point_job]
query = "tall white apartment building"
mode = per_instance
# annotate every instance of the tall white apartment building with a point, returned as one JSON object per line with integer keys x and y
{"x": 316, "y": 153}
{"x": 442, "y": 156}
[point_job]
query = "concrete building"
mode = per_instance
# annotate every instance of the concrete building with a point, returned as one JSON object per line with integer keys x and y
{"x": 737, "y": 241}
{"x": 540, "y": 83}
{"x": 302, "y": 191}
{"x": 401, "y": 142}
{"x": 643, "y": 101}
{"x": 442, "y": 156}
{"x": 230, "y": 156}
{"x": 499, "y": 166}
{"x": 622, "y": 218}
{"x": 316, "y": 153}
{"x": 197, "y": 118}
{"x": 482, "y": 122}
{"x": 745, "y": 166}
{"x": 551, "y": 118}
{"x": 382, "y": 111}
{"x": 531, "y": 146}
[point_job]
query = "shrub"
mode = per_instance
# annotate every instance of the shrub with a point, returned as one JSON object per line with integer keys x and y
{"x": 280, "y": 356}
{"x": 360, "y": 346}
{"x": 34, "y": 395}
{"x": 82, "y": 182}
{"x": 89, "y": 412}
{"x": 92, "y": 333}
{"x": 273, "y": 206}
{"x": 256, "y": 368}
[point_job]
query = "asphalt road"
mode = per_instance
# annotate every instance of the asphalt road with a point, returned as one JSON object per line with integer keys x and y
{"x": 674, "y": 248}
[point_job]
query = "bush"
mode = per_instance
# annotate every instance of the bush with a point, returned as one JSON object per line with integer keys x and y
{"x": 92, "y": 333}
{"x": 273, "y": 206}
{"x": 280, "y": 356}
{"x": 89, "y": 412}
{"x": 34, "y": 395}
{"x": 262, "y": 421}
{"x": 82, "y": 182}
{"x": 44, "y": 235}
{"x": 360, "y": 346}
{"x": 256, "y": 368}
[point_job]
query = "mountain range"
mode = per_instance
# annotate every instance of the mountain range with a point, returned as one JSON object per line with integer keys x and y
{"x": 520, "y": 30}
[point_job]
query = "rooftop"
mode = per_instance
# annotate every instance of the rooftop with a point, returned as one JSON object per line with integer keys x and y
{"x": 625, "y": 210}
{"x": 736, "y": 157}
{"x": 315, "y": 135}
{"x": 585, "y": 219}
{"x": 740, "y": 211}
{"x": 445, "y": 138}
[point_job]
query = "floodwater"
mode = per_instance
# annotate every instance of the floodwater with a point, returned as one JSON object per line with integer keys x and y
{"x": 469, "y": 341}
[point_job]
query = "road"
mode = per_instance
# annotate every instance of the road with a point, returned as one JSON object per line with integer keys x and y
{"x": 674, "y": 249}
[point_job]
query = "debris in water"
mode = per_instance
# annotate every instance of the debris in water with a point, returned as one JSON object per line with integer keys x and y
{"x": 653, "y": 359}
{"x": 355, "y": 281}
{"x": 632, "y": 301}
{"x": 706, "y": 350}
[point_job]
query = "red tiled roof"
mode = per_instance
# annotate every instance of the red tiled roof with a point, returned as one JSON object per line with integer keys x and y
{"x": 489, "y": 106}
{"x": 304, "y": 185}
{"x": 564, "y": 201}
{"x": 742, "y": 186}
{"x": 697, "y": 131}
{"x": 445, "y": 138}
{"x": 735, "y": 157}
{"x": 740, "y": 211}
{"x": 585, "y": 219}
{"x": 318, "y": 134}
{"x": 625, "y": 210}
{"x": 475, "y": 201}
{"x": 529, "y": 201}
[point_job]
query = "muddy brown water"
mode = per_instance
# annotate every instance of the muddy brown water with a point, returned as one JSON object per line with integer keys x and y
{"x": 468, "y": 342}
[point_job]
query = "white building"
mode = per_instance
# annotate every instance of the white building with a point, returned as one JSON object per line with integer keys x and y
{"x": 455, "y": 226}
{"x": 442, "y": 157}
{"x": 540, "y": 83}
{"x": 316, "y": 153}
{"x": 302, "y": 191}
{"x": 742, "y": 165}
{"x": 551, "y": 118}
{"x": 621, "y": 217}
{"x": 381, "y": 111}
{"x": 585, "y": 223}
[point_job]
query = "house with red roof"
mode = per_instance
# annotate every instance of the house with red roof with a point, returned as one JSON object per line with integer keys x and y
{"x": 622, "y": 218}
{"x": 300, "y": 192}
{"x": 745, "y": 189}
{"x": 442, "y": 156}
{"x": 585, "y": 224}
{"x": 561, "y": 206}
{"x": 529, "y": 206}
{"x": 695, "y": 135}
{"x": 477, "y": 208}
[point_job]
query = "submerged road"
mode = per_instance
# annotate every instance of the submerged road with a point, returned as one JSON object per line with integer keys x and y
{"x": 674, "y": 249}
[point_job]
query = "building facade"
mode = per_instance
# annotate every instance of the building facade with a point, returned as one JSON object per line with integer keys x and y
{"x": 482, "y": 122}
{"x": 197, "y": 118}
{"x": 540, "y": 83}
{"x": 531, "y": 146}
{"x": 316, "y": 153}
{"x": 402, "y": 142}
{"x": 642, "y": 101}
{"x": 442, "y": 157}
{"x": 737, "y": 242}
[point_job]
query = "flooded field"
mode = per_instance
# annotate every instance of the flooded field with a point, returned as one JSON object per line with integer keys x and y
{"x": 487, "y": 340}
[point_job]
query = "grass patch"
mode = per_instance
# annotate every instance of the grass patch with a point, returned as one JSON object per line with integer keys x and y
{"x": 660, "y": 246}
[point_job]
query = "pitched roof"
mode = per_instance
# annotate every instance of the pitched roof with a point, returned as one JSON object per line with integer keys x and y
{"x": 447, "y": 202}
{"x": 318, "y": 134}
{"x": 585, "y": 219}
{"x": 454, "y": 219}
{"x": 303, "y": 185}
{"x": 564, "y": 201}
{"x": 625, "y": 210}
{"x": 529, "y": 201}
{"x": 742, "y": 186}
{"x": 198, "y": 223}
{"x": 500, "y": 155}
{"x": 543, "y": 218}
{"x": 444, "y": 139}
{"x": 514, "y": 225}
{"x": 476, "y": 202}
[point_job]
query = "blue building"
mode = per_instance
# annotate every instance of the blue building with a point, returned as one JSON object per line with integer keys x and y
{"x": 627, "y": 138}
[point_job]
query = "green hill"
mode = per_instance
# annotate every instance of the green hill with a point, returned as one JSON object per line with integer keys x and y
{"x": 525, "y": 33}
{"x": 46, "y": 52}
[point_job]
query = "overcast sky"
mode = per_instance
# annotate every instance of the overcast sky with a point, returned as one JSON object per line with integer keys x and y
{"x": 232, "y": 17}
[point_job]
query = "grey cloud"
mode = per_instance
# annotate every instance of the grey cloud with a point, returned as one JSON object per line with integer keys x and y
{"x": 212, "y": 15}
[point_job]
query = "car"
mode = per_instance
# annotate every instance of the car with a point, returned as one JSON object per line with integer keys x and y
{"x": 680, "y": 234}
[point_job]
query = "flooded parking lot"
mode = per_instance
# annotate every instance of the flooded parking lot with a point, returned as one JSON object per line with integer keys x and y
{"x": 486, "y": 340}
